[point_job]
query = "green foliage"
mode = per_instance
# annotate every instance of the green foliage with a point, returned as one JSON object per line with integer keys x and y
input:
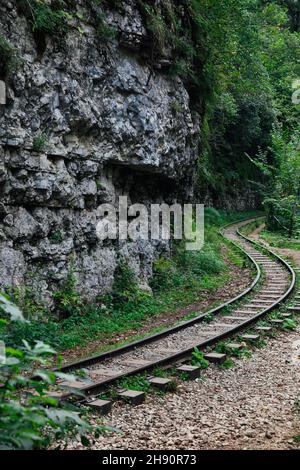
{"x": 127, "y": 307}
{"x": 280, "y": 240}
{"x": 289, "y": 324}
{"x": 29, "y": 417}
{"x": 254, "y": 66}
{"x": 282, "y": 188}
{"x": 8, "y": 57}
{"x": 160, "y": 372}
{"x": 125, "y": 288}
{"x": 227, "y": 364}
{"x": 208, "y": 318}
{"x": 156, "y": 25}
{"x": 176, "y": 107}
{"x": 46, "y": 18}
{"x": 46, "y": 330}
{"x": 187, "y": 266}
{"x": 31, "y": 305}
{"x": 56, "y": 237}
{"x": 39, "y": 142}
{"x": 223, "y": 348}
{"x": 199, "y": 360}
{"x": 104, "y": 31}
{"x": 137, "y": 382}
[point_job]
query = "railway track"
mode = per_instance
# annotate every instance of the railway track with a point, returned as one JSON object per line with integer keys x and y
{"x": 273, "y": 283}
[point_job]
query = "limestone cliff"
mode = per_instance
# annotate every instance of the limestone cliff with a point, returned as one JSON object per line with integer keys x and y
{"x": 86, "y": 120}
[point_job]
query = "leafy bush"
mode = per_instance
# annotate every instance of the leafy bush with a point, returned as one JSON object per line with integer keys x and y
{"x": 282, "y": 188}
{"x": 164, "y": 272}
{"x": 30, "y": 418}
{"x": 125, "y": 287}
{"x": 67, "y": 299}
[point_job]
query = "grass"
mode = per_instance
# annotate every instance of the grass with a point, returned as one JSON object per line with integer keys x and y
{"x": 279, "y": 240}
{"x": 140, "y": 383}
{"x": 176, "y": 283}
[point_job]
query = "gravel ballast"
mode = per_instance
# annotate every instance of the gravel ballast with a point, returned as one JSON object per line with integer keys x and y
{"x": 251, "y": 406}
{"x": 255, "y": 405}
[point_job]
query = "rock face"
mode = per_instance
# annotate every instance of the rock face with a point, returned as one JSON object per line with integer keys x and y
{"x": 84, "y": 122}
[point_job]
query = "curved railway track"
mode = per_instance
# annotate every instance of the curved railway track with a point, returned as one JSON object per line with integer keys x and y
{"x": 274, "y": 282}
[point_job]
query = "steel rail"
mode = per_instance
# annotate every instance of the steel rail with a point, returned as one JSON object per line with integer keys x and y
{"x": 173, "y": 329}
{"x": 97, "y": 387}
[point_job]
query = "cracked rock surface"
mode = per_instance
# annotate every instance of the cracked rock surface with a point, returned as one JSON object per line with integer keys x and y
{"x": 111, "y": 129}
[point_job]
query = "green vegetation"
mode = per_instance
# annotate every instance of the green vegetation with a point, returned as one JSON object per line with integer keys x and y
{"x": 67, "y": 299}
{"x": 44, "y": 17}
{"x": 39, "y": 142}
{"x": 140, "y": 383}
{"x": 282, "y": 190}
{"x": 176, "y": 282}
{"x": 8, "y": 58}
{"x": 289, "y": 324}
{"x": 57, "y": 17}
{"x": 279, "y": 240}
{"x": 223, "y": 348}
{"x": 199, "y": 360}
{"x": 103, "y": 30}
{"x": 33, "y": 419}
{"x": 56, "y": 237}
{"x": 137, "y": 382}
{"x": 251, "y": 110}
{"x": 28, "y": 301}
{"x": 239, "y": 62}
{"x": 227, "y": 364}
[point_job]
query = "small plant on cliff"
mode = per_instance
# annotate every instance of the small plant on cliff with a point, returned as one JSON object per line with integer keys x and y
{"x": 39, "y": 142}
{"x": 45, "y": 18}
{"x": 157, "y": 26}
{"x": 8, "y": 58}
{"x": 104, "y": 31}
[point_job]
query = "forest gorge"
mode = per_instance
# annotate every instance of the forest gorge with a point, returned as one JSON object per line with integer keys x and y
{"x": 159, "y": 100}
